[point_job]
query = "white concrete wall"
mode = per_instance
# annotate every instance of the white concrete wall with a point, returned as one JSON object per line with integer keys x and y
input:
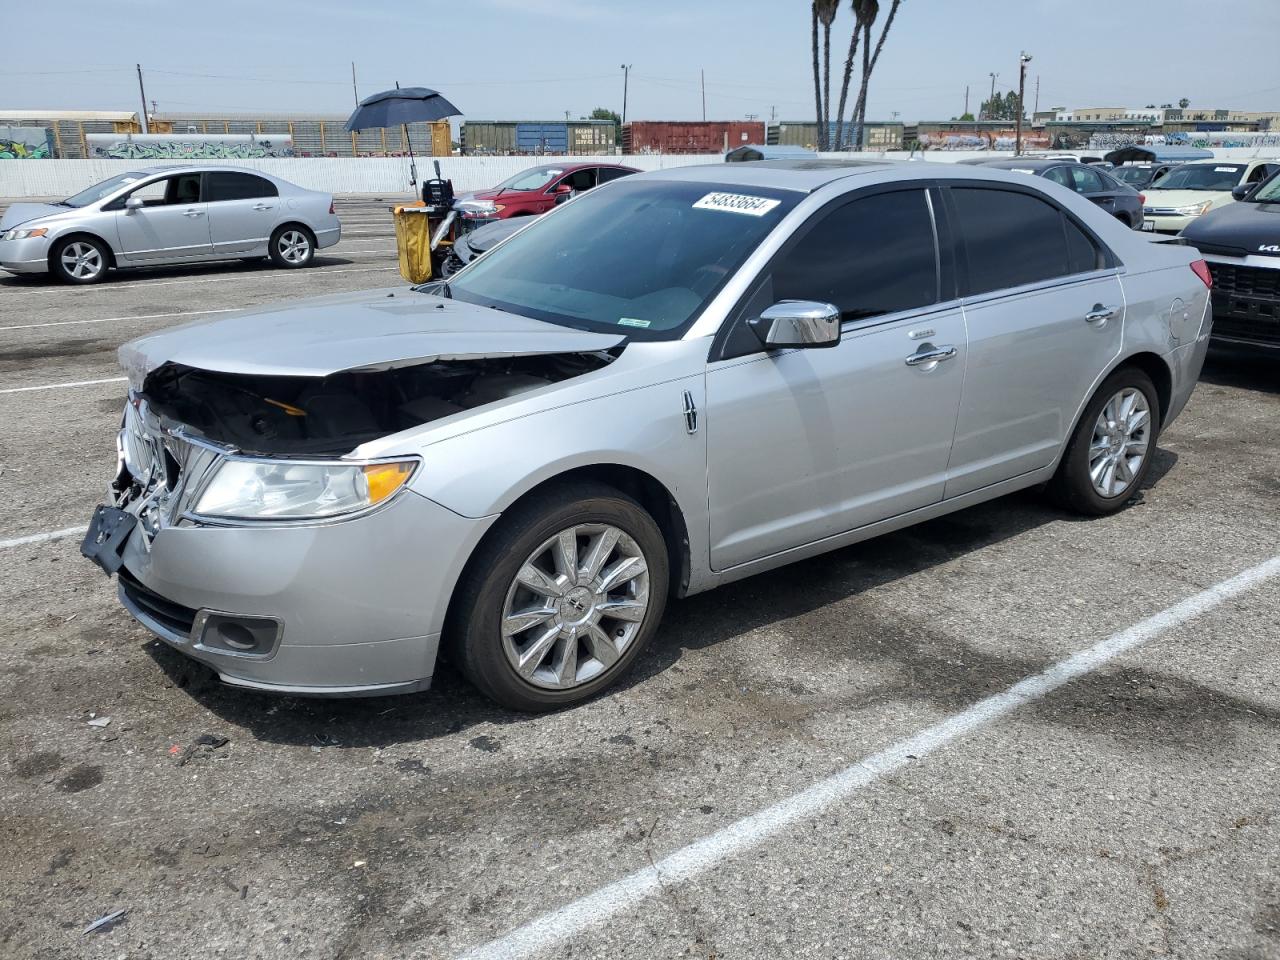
{"x": 390, "y": 175}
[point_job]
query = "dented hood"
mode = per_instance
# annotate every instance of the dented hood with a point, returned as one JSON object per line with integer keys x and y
{"x": 368, "y": 330}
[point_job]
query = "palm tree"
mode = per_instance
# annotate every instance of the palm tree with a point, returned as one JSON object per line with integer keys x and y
{"x": 848, "y": 73}
{"x": 824, "y": 12}
{"x": 866, "y": 12}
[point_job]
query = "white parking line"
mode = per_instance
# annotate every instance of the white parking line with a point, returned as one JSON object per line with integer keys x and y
{"x": 144, "y": 316}
{"x": 111, "y": 287}
{"x": 42, "y": 537}
{"x": 559, "y": 926}
{"x": 59, "y": 386}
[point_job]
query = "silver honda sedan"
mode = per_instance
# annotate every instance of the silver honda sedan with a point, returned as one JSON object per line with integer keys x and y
{"x": 672, "y": 382}
{"x": 168, "y": 215}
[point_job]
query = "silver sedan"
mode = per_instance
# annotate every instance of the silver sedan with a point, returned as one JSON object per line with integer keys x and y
{"x": 168, "y": 215}
{"x": 672, "y": 382}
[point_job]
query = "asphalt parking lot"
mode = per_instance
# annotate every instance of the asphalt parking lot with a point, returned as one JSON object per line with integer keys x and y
{"x": 1130, "y": 808}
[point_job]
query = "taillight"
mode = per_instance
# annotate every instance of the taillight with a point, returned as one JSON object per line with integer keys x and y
{"x": 1201, "y": 270}
{"x": 330, "y": 208}
{"x": 1142, "y": 199}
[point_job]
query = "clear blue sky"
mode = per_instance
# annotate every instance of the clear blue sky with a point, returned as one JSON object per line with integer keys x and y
{"x": 535, "y": 59}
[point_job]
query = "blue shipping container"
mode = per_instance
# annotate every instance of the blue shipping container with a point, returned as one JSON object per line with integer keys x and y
{"x": 552, "y": 138}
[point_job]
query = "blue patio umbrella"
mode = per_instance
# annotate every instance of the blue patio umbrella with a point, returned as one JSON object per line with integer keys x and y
{"x": 399, "y": 108}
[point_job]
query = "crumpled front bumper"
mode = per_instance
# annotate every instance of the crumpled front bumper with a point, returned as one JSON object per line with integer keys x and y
{"x": 360, "y": 603}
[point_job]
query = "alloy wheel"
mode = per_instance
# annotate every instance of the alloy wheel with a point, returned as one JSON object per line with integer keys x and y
{"x": 81, "y": 260}
{"x": 294, "y": 246}
{"x": 576, "y": 605}
{"x": 1121, "y": 438}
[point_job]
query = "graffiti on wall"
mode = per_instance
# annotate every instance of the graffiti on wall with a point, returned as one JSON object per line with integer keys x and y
{"x": 948, "y": 140}
{"x": 26, "y": 143}
{"x": 1206, "y": 140}
{"x": 160, "y": 146}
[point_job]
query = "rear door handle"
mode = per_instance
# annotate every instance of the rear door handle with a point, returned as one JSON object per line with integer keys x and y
{"x": 263, "y": 206}
{"x": 1100, "y": 313}
{"x": 194, "y": 213}
{"x": 936, "y": 355}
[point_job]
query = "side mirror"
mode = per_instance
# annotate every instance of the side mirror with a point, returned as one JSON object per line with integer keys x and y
{"x": 563, "y": 188}
{"x": 565, "y": 193}
{"x": 1242, "y": 191}
{"x": 133, "y": 203}
{"x": 798, "y": 323}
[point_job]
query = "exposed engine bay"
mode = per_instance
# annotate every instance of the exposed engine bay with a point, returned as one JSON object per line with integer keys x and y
{"x": 329, "y": 416}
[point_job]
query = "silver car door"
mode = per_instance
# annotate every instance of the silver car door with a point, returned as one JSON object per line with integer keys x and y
{"x": 807, "y": 443}
{"x": 243, "y": 210}
{"x": 172, "y": 224}
{"x": 1045, "y": 315}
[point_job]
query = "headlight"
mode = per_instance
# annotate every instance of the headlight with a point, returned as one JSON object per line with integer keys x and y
{"x": 261, "y": 490}
{"x": 24, "y": 234}
{"x": 477, "y": 208}
{"x": 1195, "y": 209}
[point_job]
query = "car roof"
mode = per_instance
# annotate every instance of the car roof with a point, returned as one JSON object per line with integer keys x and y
{"x": 199, "y": 168}
{"x": 1029, "y": 163}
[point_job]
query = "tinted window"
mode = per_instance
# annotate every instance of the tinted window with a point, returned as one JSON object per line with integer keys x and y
{"x": 1060, "y": 175}
{"x": 1083, "y": 254}
{"x": 1010, "y": 238}
{"x": 581, "y": 179}
{"x": 221, "y": 185}
{"x": 612, "y": 173}
{"x": 872, "y": 256}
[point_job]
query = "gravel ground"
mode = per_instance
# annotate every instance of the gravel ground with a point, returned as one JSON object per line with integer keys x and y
{"x": 1132, "y": 812}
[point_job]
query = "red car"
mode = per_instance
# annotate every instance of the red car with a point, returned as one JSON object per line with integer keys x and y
{"x": 537, "y": 189}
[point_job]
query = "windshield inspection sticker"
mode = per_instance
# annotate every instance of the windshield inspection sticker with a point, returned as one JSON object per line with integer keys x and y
{"x": 737, "y": 203}
{"x": 632, "y": 322}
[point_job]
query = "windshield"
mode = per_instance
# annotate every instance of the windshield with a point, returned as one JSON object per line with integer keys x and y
{"x": 1132, "y": 175}
{"x": 1269, "y": 192}
{"x": 99, "y": 190}
{"x": 533, "y": 179}
{"x": 1201, "y": 176}
{"x": 642, "y": 258}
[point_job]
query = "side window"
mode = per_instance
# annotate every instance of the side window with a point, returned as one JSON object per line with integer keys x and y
{"x": 1060, "y": 175}
{"x": 1086, "y": 180}
{"x": 184, "y": 188}
{"x": 1258, "y": 174}
{"x": 581, "y": 179}
{"x": 872, "y": 256}
{"x": 1010, "y": 238}
{"x": 224, "y": 185}
{"x": 151, "y": 194}
{"x": 612, "y": 173}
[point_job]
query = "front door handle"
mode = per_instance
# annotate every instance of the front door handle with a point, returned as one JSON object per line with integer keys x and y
{"x": 1099, "y": 313}
{"x": 194, "y": 213}
{"x": 263, "y": 206}
{"x": 932, "y": 355}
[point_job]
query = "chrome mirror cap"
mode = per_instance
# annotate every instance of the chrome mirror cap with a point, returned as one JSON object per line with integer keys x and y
{"x": 798, "y": 323}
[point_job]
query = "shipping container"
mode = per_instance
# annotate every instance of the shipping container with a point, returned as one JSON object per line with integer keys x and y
{"x": 537, "y": 137}
{"x": 692, "y": 136}
{"x": 876, "y": 135}
{"x": 317, "y": 135}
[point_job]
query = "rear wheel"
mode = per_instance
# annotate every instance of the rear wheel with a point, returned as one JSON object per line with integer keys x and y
{"x": 561, "y": 598}
{"x": 292, "y": 246}
{"x": 80, "y": 260}
{"x": 1110, "y": 452}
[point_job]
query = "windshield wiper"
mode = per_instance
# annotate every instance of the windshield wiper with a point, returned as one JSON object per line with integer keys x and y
{"x": 441, "y": 288}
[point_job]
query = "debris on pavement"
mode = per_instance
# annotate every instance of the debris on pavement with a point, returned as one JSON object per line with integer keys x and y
{"x": 203, "y": 744}
{"x": 105, "y": 923}
{"x": 99, "y": 721}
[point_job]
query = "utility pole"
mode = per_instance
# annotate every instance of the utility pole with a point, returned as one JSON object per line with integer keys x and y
{"x": 1023, "y": 59}
{"x": 704, "y": 96}
{"x": 991, "y": 101}
{"x": 626, "y": 73}
{"x": 966, "y": 101}
{"x": 146, "y": 127}
{"x": 1037, "y": 106}
{"x": 354, "y": 92}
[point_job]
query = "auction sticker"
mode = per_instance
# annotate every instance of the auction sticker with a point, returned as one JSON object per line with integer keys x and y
{"x": 737, "y": 203}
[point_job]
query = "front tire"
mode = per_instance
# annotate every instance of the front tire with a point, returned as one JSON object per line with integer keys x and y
{"x": 561, "y": 598}
{"x": 292, "y": 246}
{"x": 80, "y": 260}
{"x": 1110, "y": 452}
